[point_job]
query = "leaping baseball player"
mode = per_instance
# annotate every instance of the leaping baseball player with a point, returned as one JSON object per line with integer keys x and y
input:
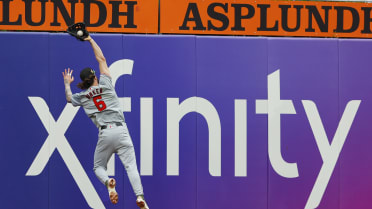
{"x": 101, "y": 104}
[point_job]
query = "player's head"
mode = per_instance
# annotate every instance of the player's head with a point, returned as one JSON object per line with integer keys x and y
{"x": 87, "y": 76}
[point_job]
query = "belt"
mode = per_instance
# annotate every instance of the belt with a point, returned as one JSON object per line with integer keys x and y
{"x": 115, "y": 124}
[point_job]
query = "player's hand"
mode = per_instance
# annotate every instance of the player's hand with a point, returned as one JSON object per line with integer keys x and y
{"x": 88, "y": 38}
{"x": 67, "y": 76}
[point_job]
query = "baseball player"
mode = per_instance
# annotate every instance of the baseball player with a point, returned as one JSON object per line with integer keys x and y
{"x": 101, "y": 104}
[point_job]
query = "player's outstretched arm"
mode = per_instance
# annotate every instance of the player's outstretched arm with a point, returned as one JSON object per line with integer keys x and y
{"x": 103, "y": 68}
{"x": 68, "y": 79}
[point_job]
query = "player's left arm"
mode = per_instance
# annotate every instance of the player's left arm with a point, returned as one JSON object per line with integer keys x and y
{"x": 68, "y": 79}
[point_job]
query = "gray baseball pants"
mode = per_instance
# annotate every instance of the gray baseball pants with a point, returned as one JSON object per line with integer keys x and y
{"x": 116, "y": 139}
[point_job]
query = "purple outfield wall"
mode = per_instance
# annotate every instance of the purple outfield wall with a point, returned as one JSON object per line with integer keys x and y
{"x": 217, "y": 122}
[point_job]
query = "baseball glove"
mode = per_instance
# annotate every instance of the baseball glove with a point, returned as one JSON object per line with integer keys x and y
{"x": 75, "y": 29}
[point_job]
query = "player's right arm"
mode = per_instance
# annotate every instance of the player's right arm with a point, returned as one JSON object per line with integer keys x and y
{"x": 68, "y": 79}
{"x": 103, "y": 68}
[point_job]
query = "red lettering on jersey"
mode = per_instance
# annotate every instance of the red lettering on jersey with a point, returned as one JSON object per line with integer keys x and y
{"x": 93, "y": 93}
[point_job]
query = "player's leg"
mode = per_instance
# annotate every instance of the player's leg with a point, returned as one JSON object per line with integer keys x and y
{"x": 102, "y": 154}
{"x": 127, "y": 156}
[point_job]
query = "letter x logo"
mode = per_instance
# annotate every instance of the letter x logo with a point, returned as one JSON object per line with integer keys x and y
{"x": 57, "y": 140}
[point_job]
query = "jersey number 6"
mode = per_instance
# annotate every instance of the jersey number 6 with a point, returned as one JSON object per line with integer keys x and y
{"x": 100, "y": 104}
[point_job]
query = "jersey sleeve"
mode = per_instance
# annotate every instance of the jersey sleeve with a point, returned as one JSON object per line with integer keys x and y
{"x": 106, "y": 81}
{"x": 75, "y": 100}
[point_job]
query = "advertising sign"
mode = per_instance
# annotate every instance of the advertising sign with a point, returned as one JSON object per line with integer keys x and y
{"x": 267, "y": 18}
{"x": 223, "y": 17}
{"x": 99, "y": 16}
{"x": 216, "y": 122}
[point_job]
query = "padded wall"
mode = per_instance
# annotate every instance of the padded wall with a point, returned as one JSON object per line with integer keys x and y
{"x": 228, "y": 149}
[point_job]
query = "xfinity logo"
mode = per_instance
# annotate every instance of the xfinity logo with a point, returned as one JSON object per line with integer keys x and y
{"x": 273, "y": 106}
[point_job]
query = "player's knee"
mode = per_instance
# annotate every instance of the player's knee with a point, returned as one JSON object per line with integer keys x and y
{"x": 95, "y": 166}
{"x": 98, "y": 167}
{"x": 128, "y": 167}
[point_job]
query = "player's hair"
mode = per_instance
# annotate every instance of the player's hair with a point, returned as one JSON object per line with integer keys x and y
{"x": 87, "y": 82}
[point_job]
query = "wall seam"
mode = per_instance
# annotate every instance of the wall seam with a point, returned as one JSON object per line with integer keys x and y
{"x": 339, "y": 116}
{"x": 267, "y": 128}
{"x": 196, "y": 118}
{"x": 49, "y": 95}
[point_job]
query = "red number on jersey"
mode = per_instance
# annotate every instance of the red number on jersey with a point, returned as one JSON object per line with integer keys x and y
{"x": 100, "y": 104}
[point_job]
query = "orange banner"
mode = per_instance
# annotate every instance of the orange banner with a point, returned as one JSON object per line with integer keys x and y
{"x": 135, "y": 16}
{"x": 219, "y": 17}
{"x": 266, "y": 18}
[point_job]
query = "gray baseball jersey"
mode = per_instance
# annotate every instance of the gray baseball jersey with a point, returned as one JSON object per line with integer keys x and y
{"x": 100, "y": 103}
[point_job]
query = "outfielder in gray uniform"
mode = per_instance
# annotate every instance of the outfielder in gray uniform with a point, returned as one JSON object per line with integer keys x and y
{"x": 101, "y": 104}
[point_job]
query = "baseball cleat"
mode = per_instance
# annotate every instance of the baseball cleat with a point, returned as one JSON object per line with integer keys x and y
{"x": 141, "y": 203}
{"x": 111, "y": 190}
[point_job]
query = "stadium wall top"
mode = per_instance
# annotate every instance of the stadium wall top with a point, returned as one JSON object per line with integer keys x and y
{"x": 209, "y": 17}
